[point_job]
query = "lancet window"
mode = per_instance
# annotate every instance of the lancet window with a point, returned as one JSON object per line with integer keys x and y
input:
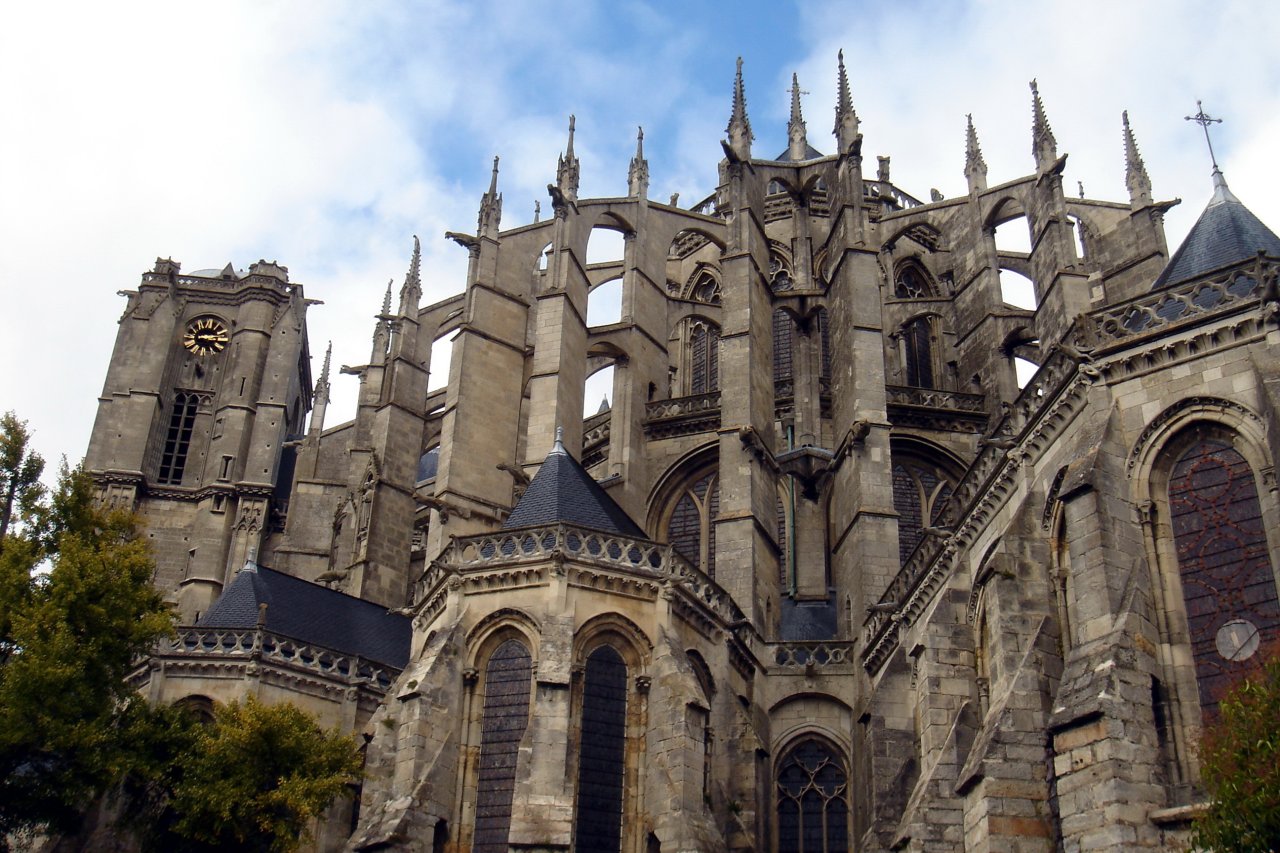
{"x": 919, "y": 491}
{"x": 704, "y": 358}
{"x": 507, "y": 678}
{"x": 918, "y": 352}
{"x": 602, "y": 755}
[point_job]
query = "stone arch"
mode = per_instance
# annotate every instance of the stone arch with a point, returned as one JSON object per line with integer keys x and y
{"x": 199, "y": 706}
{"x": 703, "y": 284}
{"x": 912, "y": 280}
{"x": 812, "y": 796}
{"x": 497, "y": 627}
{"x": 1200, "y": 478}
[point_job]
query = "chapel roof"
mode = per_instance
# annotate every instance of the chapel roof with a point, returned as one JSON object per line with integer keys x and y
{"x": 1227, "y": 232}
{"x": 312, "y": 614}
{"x": 563, "y": 492}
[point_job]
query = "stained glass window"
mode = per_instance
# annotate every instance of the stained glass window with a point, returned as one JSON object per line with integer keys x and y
{"x": 506, "y": 716}
{"x": 598, "y": 810}
{"x": 813, "y": 801}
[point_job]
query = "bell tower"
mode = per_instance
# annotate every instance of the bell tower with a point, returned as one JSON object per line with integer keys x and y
{"x": 209, "y": 380}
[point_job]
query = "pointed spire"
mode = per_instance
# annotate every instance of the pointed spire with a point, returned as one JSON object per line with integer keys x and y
{"x": 846, "y": 129}
{"x": 975, "y": 167}
{"x": 320, "y": 401}
{"x": 382, "y": 329}
{"x": 567, "y": 170}
{"x": 797, "y": 134}
{"x": 1043, "y": 145}
{"x": 638, "y": 175}
{"x": 1135, "y": 171}
{"x": 411, "y": 292}
{"x": 490, "y": 208}
{"x": 739, "y": 129}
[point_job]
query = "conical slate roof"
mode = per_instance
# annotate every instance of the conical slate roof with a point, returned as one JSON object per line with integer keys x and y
{"x": 1226, "y": 233}
{"x": 312, "y": 613}
{"x": 563, "y": 492}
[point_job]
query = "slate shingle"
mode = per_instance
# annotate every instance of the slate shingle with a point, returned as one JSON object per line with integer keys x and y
{"x": 1226, "y": 233}
{"x": 562, "y": 491}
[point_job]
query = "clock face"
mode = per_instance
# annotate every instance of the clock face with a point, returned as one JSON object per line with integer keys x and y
{"x": 205, "y": 336}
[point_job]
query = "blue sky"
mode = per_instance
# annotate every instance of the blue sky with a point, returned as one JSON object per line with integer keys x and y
{"x": 325, "y": 134}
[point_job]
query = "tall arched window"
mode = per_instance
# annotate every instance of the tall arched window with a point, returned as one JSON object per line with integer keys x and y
{"x": 918, "y": 352}
{"x": 784, "y": 344}
{"x": 602, "y": 755}
{"x": 506, "y": 716}
{"x": 920, "y": 489}
{"x": 691, "y": 528}
{"x": 177, "y": 440}
{"x": 1228, "y": 582}
{"x": 704, "y": 358}
{"x": 813, "y": 800}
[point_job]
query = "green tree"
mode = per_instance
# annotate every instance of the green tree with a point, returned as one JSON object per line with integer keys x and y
{"x": 1240, "y": 764}
{"x": 68, "y": 639}
{"x": 251, "y": 780}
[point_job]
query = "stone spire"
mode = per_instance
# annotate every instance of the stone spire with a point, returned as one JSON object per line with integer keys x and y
{"x": 739, "y": 129}
{"x": 321, "y": 398}
{"x": 846, "y": 129}
{"x": 382, "y": 330}
{"x": 411, "y": 292}
{"x": 975, "y": 167}
{"x": 490, "y": 208}
{"x": 1043, "y": 145}
{"x": 1135, "y": 171}
{"x": 638, "y": 175}
{"x": 797, "y": 134}
{"x": 567, "y": 170}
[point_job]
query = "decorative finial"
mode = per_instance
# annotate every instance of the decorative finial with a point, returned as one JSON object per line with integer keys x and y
{"x": 797, "y": 141}
{"x": 411, "y": 292}
{"x": 251, "y": 560}
{"x": 558, "y": 447}
{"x": 322, "y": 384}
{"x": 846, "y": 129}
{"x": 1044, "y": 147}
{"x": 1135, "y": 171}
{"x": 638, "y": 174}
{"x": 975, "y": 166}
{"x": 537, "y": 210}
{"x": 567, "y": 170}
{"x": 739, "y": 128}
{"x": 490, "y": 217}
{"x": 386, "y": 299}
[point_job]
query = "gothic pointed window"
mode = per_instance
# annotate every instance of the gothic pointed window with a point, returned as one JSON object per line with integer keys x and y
{"x": 920, "y": 489}
{"x": 911, "y": 282}
{"x": 691, "y": 528}
{"x": 704, "y": 345}
{"x": 506, "y": 716}
{"x": 1228, "y": 583}
{"x": 177, "y": 440}
{"x": 784, "y": 343}
{"x": 706, "y": 288}
{"x": 813, "y": 800}
{"x": 918, "y": 354}
{"x": 602, "y": 755}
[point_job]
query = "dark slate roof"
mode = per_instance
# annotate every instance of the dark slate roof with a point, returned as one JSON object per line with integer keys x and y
{"x": 563, "y": 491}
{"x": 1226, "y": 233}
{"x": 312, "y": 614}
{"x": 810, "y": 153}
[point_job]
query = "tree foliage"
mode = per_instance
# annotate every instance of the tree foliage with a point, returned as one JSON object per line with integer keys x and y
{"x": 252, "y": 780}
{"x": 1240, "y": 764}
{"x": 68, "y": 639}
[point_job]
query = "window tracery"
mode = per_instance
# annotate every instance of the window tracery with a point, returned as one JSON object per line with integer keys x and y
{"x": 704, "y": 358}
{"x": 920, "y": 489}
{"x": 813, "y": 800}
{"x": 691, "y": 527}
{"x": 912, "y": 282}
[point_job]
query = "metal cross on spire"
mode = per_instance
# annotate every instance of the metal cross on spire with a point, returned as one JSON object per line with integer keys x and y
{"x": 1204, "y": 120}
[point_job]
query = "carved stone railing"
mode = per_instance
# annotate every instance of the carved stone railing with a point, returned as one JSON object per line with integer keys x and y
{"x": 934, "y": 398}
{"x": 682, "y": 415}
{"x": 517, "y": 548}
{"x": 931, "y": 559}
{"x": 1191, "y": 300}
{"x": 886, "y": 190}
{"x": 817, "y": 653}
{"x": 260, "y": 644}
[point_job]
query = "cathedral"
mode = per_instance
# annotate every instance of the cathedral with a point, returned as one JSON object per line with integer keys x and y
{"x": 826, "y": 573}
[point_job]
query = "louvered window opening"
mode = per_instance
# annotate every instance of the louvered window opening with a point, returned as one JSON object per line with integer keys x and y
{"x": 177, "y": 440}
{"x": 602, "y": 756}
{"x": 1228, "y": 584}
{"x": 506, "y": 716}
{"x": 783, "y": 346}
{"x": 813, "y": 801}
